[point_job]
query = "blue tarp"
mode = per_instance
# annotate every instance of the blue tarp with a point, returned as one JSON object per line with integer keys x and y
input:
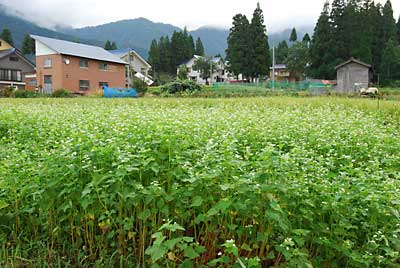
{"x": 119, "y": 92}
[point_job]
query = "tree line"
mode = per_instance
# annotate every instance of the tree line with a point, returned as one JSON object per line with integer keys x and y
{"x": 166, "y": 54}
{"x": 356, "y": 28}
{"x": 248, "y": 50}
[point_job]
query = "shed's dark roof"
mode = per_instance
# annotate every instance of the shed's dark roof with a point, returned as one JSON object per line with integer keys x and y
{"x": 79, "y": 50}
{"x": 355, "y": 61}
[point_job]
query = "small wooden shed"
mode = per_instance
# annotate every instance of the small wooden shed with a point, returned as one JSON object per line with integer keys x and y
{"x": 353, "y": 75}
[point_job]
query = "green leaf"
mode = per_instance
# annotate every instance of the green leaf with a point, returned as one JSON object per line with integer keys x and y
{"x": 156, "y": 252}
{"x": 197, "y": 201}
{"x": 246, "y": 247}
{"x": 171, "y": 243}
{"x": 190, "y": 253}
{"x": 171, "y": 227}
{"x": 3, "y": 204}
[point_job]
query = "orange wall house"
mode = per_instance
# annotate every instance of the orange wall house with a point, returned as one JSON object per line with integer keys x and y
{"x": 76, "y": 67}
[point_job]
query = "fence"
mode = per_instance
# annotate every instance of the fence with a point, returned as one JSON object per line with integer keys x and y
{"x": 302, "y": 85}
{"x": 120, "y": 92}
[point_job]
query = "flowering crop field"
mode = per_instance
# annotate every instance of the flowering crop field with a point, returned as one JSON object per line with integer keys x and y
{"x": 256, "y": 182}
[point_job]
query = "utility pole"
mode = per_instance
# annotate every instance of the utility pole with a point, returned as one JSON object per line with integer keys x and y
{"x": 211, "y": 71}
{"x": 273, "y": 66}
{"x": 129, "y": 68}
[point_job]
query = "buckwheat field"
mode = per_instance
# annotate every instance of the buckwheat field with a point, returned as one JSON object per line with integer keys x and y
{"x": 256, "y": 182}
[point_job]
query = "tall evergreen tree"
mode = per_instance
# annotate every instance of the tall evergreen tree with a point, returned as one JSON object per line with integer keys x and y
{"x": 154, "y": 56}
{"x": 357, "y": 30}
{"x": 107, "y": 46}
{"x": 192, "y": 47}
{"x": 259, "y": 51}
{"x": 306, "y": 38}
{"x": 398, "y": 30}
{"x": 199, "y": 47}
{"x": 377, "y": 42}
{"x": 178, "y": 48}
{"x": 389, "y": 29}
{"x": 166, "y": 60}
{"x": 390, "y": 68}
{"x": 281, "y": 52}
{"x": 322, "y": 56}
{"x": 339, "y": 43}
{"x": 28, "y": 45}
{"x": 113, "y": 46}
{"x": 6, "y": 36}
{"x": 293, "y": 35}
{"x": 237, "y": 52}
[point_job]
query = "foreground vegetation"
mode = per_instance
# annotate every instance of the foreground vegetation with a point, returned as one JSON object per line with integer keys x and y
{"x": 257, "y": 182}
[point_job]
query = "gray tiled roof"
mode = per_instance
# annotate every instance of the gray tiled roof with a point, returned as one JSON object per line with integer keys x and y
{"x": 78, "y": 50}
{"x": 353, "y": 60}
{"x": 5, "y": 53}
{"x": 125, "y": 51}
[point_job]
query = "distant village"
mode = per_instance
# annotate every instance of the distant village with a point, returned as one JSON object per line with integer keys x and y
{"x": 84, "y": 68}
{"x": 52, "y": 64}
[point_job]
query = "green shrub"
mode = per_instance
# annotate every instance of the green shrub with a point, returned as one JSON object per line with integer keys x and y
{"x": 22, "y": 93}
{"x": 154, "y": 91}
{"x": 139, "y": 85}
{"x": 7, "y": 92}
{"x": 181, "y": 86}
{"x": 61, "y": 93}
{"x": 163, "y": 78}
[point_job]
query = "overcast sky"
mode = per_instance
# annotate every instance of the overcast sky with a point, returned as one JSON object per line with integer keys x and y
{"x": 279, "y": 14}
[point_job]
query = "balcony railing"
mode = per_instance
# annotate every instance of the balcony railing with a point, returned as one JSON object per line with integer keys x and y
{"x": 10, "y": 75}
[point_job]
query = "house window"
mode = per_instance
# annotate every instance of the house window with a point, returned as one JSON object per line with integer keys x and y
{"x": 14, "y": 59}
{"x": 131, "y": 58}
{"x": 143, "y": 71}
{"x": 47, "y": 63}
{"x": 1, "y": 43}
{"x": 32, "y": 82}
{"x": 11, "y": 75}
{"x": 103, "y": 66}
{"x": 103, "y": 84}
{"x": 84, "y": 84}
{"x": 84, "y": 64}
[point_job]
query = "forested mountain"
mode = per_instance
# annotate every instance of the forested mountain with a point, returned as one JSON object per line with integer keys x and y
{"x": 20, "y": 27}
{"x": 136, "y": 33}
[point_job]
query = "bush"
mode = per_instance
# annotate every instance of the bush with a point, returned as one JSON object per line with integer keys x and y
{"x": 7, "y": 92}
{"x": 61, "y": 93}
{"x": 163, "y": 78}
{"x": 181, "y": 86}
{"x": 156, "y": 91}
{"x": 139, "y": 85}
{"x": 183, "y": 72}
{"x": 21, "y": 93}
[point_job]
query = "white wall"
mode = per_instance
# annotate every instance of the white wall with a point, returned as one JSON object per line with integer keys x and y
{"x": 42, "y": 49}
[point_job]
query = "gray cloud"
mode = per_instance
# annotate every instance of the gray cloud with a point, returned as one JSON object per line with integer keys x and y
{"x": 78, "y": 13}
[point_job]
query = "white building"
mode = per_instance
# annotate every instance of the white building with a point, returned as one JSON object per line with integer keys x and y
{"x": 137, "y": 63}
{"x": 221, "y": 73}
